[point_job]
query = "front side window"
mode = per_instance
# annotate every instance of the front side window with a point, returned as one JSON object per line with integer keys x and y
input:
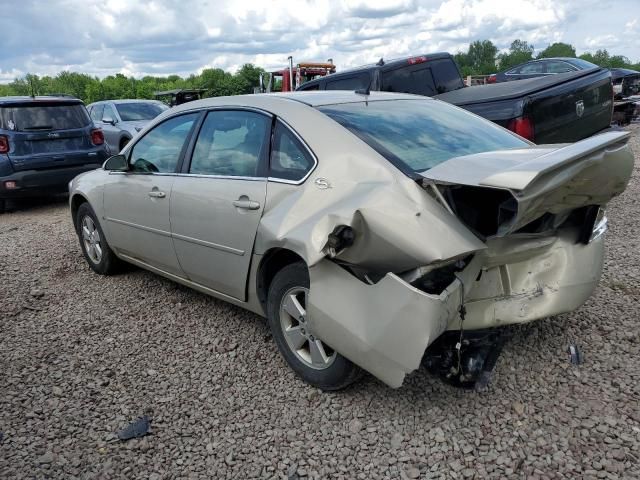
{"x": 159, "y": 150}
{"x": 231, "y": 143}
{"x": 96, "y": 113}
{"x": 416, "y": 135}
{"x": 289, "y": 159}
{"x": 108, "y": 113}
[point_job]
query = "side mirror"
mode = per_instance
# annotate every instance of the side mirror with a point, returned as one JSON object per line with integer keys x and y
{"x": 116, "y": 163}
{"x": 108, "y": 120}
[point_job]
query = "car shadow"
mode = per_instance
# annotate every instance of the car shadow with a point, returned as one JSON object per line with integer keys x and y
{"x": 17, "y": 205}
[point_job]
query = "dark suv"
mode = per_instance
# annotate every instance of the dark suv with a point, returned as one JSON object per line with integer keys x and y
{"x": 44, "y": 143}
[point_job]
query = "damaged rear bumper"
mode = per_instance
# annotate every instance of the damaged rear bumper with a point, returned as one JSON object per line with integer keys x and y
{"x": 386, "y": 327}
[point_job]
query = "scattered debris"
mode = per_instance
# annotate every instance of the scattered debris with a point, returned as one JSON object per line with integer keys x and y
{"x": 31, "y": 307}
{"x": 575, "y": 354}
{"x": 136, "y": 429}
{"x": 36, "y": 292}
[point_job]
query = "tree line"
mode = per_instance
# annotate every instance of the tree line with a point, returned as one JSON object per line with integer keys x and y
{"x": 90, "y": 89}
{"x": 481, "y": 58}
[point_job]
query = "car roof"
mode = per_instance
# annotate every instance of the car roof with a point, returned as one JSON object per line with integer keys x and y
{"x": 308, "y": 98}
{"x": 126, "y": 100}
{"x": 66, "y": 99}
{"x": 386, "y": 64}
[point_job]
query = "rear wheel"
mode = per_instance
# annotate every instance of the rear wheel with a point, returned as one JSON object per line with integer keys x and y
{"x": 3, "y": 205}
{"x": 94, "y": 245}
{"x": 312, "y": 359}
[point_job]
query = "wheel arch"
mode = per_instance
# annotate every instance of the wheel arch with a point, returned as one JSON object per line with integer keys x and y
{"x": 123, "y": 141}
{"x": 271, "y": 263}
{"x": 76, "y": 200}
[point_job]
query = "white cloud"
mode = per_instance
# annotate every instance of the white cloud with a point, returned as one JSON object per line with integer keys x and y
{"x": 162, "y": 37}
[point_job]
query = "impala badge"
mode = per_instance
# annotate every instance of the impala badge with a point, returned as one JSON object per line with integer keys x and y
{"x": 579, "y": 108}
{"x": 322, "y": 183}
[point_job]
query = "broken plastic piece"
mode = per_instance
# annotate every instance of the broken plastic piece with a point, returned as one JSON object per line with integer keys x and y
{"x": 575, "y": 354}
{"x": 136, "y": 429}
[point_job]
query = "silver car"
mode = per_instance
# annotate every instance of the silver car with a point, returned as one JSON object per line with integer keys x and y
{"x": 366, "y": 228}
{"x": 121, "y": 120}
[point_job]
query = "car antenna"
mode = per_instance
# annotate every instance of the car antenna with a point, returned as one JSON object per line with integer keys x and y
{"x": 364, "y": 91}
{"x": 33, "y": 93}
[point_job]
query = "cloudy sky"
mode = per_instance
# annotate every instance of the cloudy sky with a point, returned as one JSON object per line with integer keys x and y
{"x": 162, "y": 37}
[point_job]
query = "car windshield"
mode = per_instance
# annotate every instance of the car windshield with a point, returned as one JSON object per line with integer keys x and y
{"x": 43, "y": 117}
{"x": 130, "y": 112}
{"x": 416, "y": 135}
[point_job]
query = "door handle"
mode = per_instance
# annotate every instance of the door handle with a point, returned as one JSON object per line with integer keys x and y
{"x": 246, "y": 204}
{"x": 157, "y": 194}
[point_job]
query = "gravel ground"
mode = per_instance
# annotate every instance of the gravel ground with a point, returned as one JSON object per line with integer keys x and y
{"x": 82, "y": 355}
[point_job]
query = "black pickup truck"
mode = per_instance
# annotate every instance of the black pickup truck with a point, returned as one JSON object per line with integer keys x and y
{"x": 560, "y": 108}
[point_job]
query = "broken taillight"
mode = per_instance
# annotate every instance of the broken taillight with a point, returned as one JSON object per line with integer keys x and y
{"x": 4, "y": 144}
{"x": 523, "y": 126}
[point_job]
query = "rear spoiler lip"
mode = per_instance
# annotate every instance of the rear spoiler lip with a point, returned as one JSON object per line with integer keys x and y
{"x": 516, "y": 177}
{"x": 545, "y": 163}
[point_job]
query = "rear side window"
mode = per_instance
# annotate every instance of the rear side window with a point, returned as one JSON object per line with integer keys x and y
{"x": 349, "y": 83}
{"x": 231, "y": 143}
{"x": 531, "y": 68}
{"x": 415, "y": 79}
{"x": 24, "y": 118}
{"x": 559, "y": 67}
{"x": 159, "y": 150}
{"x": 289, "y": 159}
{"x": 446, "y": 76}
{"x": 415, "y": 135}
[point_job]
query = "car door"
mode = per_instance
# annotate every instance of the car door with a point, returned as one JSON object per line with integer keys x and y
{"x": 109, "y": 125}
{"x": 137, "y": 202}
{"x": 217, "y": 202}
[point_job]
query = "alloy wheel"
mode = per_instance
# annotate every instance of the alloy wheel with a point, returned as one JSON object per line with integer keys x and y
{"x": 91, "y": 239}
{"x": 310, "y": 350}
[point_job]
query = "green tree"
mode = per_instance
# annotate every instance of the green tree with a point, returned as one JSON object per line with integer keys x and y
{"x": 558, "y": 49}
{"x": 481, "y": 57}
{"x": 519, "y": 52}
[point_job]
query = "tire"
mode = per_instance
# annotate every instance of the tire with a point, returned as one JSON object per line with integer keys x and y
{"x": 315, "y": 362}
{"x": 94, "y": 244}
{"x": 3, "y": 205}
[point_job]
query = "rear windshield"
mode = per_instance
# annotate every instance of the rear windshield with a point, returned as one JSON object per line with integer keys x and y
{"x": 416, "y": 135}
{"x": 130, "y": 112}
{"x": 43, "y": 117}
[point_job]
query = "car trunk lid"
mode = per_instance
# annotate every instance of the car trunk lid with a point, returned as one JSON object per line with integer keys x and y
{"x": 516, "y": 187}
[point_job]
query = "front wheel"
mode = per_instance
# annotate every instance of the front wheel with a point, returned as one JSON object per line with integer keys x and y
{"x": 94, "y": 245}
{"x": 312, "y": 359}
